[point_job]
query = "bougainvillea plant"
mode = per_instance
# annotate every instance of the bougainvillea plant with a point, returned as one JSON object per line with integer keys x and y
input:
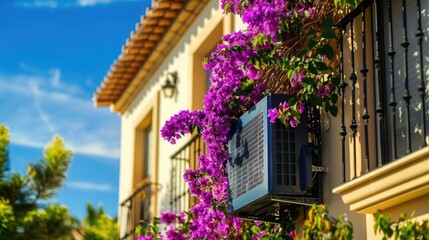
{"x": 288, "y": 47}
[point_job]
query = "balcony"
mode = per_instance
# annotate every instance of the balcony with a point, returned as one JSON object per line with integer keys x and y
{"x": 184, "y": 158}
{"x": 384, "y": 107}
{"x": 136, "y": 208}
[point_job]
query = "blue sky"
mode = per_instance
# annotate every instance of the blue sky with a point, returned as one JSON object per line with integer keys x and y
{"x": 53, "y": 56}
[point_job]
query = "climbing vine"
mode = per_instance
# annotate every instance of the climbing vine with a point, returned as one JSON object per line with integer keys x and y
{"x": 289, "y": 47}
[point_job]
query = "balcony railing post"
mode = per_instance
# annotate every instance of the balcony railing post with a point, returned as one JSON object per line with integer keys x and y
{"x": 406, "y": 95}
{"x": 379, "y": 83}
{"x": 353, "y": 79}
{"x": 392, "y": 102}
{"x": 364, "y": 71}
{"x": 343, "y": 86}
{"x": 184, "y": 158}
{"x": 137, "y": 206}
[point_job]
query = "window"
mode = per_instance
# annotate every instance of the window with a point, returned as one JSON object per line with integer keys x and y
{"x": 144, "y": 169}
{"x": 203, "y": 46}
{"x": 147, "y": 152}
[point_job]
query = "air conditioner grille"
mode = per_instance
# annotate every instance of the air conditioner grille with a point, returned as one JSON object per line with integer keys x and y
{"x": 285, "y": 155}
{"x": 247, "y": 148}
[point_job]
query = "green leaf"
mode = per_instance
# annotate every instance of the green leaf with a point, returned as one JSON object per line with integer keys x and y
{"x": 290, "y": 73}
{"x": 328, "y": 23}
{"x": 302, "y": 53}
{"x": 257, "y": 40}
{"x": 336, "y": 2}
{"x": 315, "y": 100}
{"x": 352, "y": 3}
{"x": 321, "y": 67}
{"x": 334, "y": 98}
{"x": 328, "y": 32}
{"x": 333, "y": 111}
{"x": 311, "y": 32}
{"x": 255, "y": 229}
{"x": 247, "y": 83}
{"x": 255, "y": 62}
{"x": 226, "y": 7}
{"x": 292, "y": 101}
{"x": 336, "y": 80}
{"x": 312, "y": 68}
{"x": 326, "y": 50}
{"x": 311, "y": 44}
{"x": 284, "y": 63}
{"x": 309, "y": 84}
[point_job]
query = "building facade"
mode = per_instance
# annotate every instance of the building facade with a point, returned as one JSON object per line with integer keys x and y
{"x": 375, "y": 151}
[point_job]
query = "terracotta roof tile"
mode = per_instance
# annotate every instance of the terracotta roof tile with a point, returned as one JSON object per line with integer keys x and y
{"x": 137, "y": 48}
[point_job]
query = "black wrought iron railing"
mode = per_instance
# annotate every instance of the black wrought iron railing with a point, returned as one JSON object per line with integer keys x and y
{"x": 136, "y": 209}
{"x": 384, "y": 65}
{"x": 186, "y": 157}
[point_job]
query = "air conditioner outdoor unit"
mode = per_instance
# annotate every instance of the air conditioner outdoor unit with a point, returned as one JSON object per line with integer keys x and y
{"x": 269, "y": 165}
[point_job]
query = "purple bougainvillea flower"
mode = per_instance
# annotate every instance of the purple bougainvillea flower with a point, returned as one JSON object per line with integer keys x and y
{"x": 284, "y": 106}
{"x": 292, "y": 234}
{"x": 168, "y": 217}
{"x": 273, "y": 114}
{"x": 293, "y": 122}
{"x": 145, "y": 238}
{"x": 174, "y": 234}
{"x": 322, "y": 90}
{"x": 300, "y": 107}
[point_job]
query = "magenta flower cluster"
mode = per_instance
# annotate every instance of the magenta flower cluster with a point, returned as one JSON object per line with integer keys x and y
{"x": 288, "y": 115}
{"x": 180, "y": 124}
{"x": 230, "y": 69}
{"x": 236, "y": 86}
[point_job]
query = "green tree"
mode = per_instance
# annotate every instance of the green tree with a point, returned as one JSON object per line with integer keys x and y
{"x": 22, "y": 215}
{"x": 99, "y": 226}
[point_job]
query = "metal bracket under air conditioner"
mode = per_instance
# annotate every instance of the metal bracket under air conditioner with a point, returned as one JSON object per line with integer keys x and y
{"x": 319, "y": 169}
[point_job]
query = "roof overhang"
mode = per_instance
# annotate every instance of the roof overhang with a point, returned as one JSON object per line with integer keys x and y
{"x": 155, "y": 35}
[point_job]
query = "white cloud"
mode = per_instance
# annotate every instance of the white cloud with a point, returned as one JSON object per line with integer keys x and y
{"x": 53, "y": 4}
{"x": 38, "y": 4}
{"x": 90, "y": 186}
{"x": 37, "y": 106}
{"x": 55, "y": 78}
{"x": 85, "y": 3}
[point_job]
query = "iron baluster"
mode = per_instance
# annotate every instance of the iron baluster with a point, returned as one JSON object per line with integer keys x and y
{"x": 353, "y": 78}
{"x": 343, "y": 86}
{"x": 364, "y": 71}
{"x": 381, "y": 150}
{"x": 392, "y": 102}
{"x": 406, "y": 95}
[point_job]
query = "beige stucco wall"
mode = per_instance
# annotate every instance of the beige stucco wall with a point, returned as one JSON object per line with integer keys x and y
{"x": 331, "y": 157}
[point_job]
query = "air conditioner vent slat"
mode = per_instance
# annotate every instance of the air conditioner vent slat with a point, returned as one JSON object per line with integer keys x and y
{"x": 247, "y": 155}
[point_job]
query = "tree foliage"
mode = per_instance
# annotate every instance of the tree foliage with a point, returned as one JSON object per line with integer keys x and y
{"x": 52, "y": 222}
{"x": 97, "y": 225}
{"x": 402, "y": 228}
{"x": 22, "y": 216}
